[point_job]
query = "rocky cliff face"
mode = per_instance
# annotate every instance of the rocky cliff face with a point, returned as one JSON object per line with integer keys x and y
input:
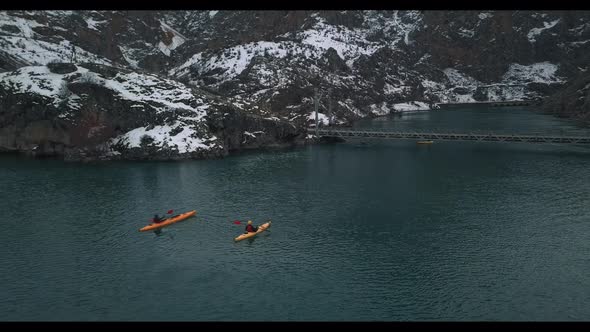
{"x": 171, "y": 85}
{"x": 573, "y": 100}
{"x": 90, "y": 111}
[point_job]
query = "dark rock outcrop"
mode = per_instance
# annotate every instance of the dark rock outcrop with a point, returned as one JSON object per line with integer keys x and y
{"x": 240, "y": 130}
{"x": 61, "y": 68}
{"x": 571, "y": 101}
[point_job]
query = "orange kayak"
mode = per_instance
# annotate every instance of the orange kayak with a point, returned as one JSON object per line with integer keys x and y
{"x": 261, "y": 229}
{"x": 168, "y": 221}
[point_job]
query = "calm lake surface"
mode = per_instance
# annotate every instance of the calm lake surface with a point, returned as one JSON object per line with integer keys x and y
{"x": 363, "y": 231}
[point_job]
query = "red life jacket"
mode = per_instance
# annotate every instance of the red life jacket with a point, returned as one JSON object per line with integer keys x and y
{"x": 250, "y": 228}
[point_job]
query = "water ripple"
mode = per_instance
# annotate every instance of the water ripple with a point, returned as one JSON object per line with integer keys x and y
{"x": 385, "y": 232}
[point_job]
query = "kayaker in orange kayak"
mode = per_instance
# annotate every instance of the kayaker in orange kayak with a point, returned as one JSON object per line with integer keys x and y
{"x": 250, "y": 228}
{"x": 157, "y": 218}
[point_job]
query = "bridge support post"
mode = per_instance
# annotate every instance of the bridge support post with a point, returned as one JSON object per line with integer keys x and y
{"x": 329, "y": 107}
{"x": 315, "y": 101}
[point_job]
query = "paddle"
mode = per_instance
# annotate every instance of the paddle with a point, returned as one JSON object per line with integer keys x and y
{"x": 237, "y": 222}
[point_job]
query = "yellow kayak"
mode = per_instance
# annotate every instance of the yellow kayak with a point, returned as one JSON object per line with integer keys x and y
{"x": 261, "y": 229}
{"x": 425, "y": 142}
{"x": 168, "y": 221}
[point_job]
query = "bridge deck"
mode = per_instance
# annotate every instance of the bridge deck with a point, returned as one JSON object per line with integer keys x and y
{"x": 492, "y": 103}
{"x": 431, "y": 136}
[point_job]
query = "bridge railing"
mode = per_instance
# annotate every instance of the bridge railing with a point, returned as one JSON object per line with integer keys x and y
{"x": 449, "y": 131}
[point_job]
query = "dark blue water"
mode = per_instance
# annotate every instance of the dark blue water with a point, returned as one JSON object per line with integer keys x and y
{"x": 386, "y": 230}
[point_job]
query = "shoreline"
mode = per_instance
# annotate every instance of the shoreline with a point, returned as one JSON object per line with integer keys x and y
{"x": 309, "y": 139}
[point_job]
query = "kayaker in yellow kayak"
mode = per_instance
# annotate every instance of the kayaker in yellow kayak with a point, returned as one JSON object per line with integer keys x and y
{"x": 250, "y": 228}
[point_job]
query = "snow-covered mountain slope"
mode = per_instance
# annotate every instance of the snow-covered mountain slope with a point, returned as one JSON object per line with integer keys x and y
{"x": 113, "y": 112}
{"x": 373, "y": 60}
{"x": 267, "y": 65}
{"x": 132, "y": 39}
{"x": 138, "y": 104}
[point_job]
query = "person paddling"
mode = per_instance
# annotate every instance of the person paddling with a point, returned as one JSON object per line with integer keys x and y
{"x": 250, "y": 228}
{"x": 157, "y": 219}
